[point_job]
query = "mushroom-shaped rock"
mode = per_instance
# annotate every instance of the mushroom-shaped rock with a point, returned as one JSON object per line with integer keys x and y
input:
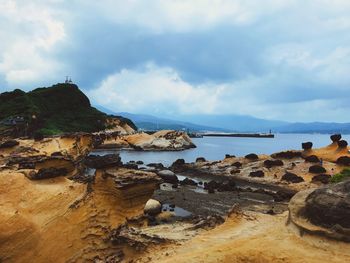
{"x": 317, "y": 169}
{"x": 272, "y": 163}
{"x": 252, "y": 157}
{"x": 293, "y": 178}
{"x": 8, "y": 144}
{"x": 306, "y": 145}
{"x": 312, "y": 159}
{"x": 152, "y": 207}
{"x": 322, "y": 178}
{"x": 257, "y": 174}
{"x": 336, "y": 137}
{"x": 342, "y": 144}
{"x": 237, "y": 164}
{"x": 287, "y": 155}
{"x": 200, "y": 160}
{"x": 330, "y": 206}
{"x": 344, "y": 160}
{"x": 168, "y": 176}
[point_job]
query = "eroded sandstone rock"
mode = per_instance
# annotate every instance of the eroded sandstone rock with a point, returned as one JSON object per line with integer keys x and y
{"x": 102, "y": 161}
{"x": 307, "y": 145}
{"x": 293, "y": 178}
{"x": 317, "y": 169}
{"x": 252, "y": 157}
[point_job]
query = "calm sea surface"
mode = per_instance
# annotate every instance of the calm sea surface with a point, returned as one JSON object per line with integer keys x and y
{"x": 215, "y": 148}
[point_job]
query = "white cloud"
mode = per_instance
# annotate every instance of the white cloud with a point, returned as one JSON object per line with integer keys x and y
{"x": 186, "y": 15}
{"x": 28, "y": 33}
{"x": 157, "y": 90}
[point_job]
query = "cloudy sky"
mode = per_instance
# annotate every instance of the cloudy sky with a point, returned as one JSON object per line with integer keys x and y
{"x": 275, "y": 59}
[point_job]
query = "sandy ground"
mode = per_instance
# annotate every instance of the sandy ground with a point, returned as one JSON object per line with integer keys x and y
{"x": 253, "y": 238}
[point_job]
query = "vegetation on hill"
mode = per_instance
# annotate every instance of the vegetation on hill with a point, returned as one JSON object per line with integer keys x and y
{"x": 342, "y": 176}
{"x": 57, "y": 109}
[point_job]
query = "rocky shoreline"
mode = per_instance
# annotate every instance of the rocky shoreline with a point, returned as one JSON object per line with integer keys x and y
{"x": 92, "y": 208}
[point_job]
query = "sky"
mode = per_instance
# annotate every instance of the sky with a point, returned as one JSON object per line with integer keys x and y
{"x": 274, "y": 59}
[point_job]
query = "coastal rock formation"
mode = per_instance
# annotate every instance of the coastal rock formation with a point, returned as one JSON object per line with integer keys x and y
{"x": 257, "y": 174}
{"x": 272, "y": 163}
{"x": 344, "y": 160}
{"x": 342, "y": 144}
{"x": 165, "y": 140}
{"x": 312, "y": 159}
{"x": 252, "y": 157}
{"x": 322, "y": 178}
{"x": 168, "y": 176}
{"x": 287, "y": 155}
{"x": 317, "y": 169}
{"x": 46, "y": 173}
{"x": 152, "y": 207}
{"x": 8, "y": 144}
{"x": 306, "y": 145}
{"x": 324, "y": 211}
{"x": 335, "y": 137}
{"x": 293, "y": 178}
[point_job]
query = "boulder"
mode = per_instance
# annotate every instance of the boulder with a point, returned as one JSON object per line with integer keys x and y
{"x": 344, "y": 160}
{"x": 152, "y": 207}
{"x": 8, "y": 144}
{"x": 322, "y": 178}
{"x": 272, "y": 163}
{"x": 178, "y": 162}
{"x": 227, "y": 186}
{"x": 229, "y": 156}
{"x": 312, "y": 159}
{"x": 342, "y": 144}
{"x": 252, "y": 157}
{"x": 283, "y": 195}
{"x": 336, "y": 137}
{"x": 257, "y": 174}
{"x": 330, "y": 206}
{"x": 287, "y": 155}
{"x": 237, "y": 164}
{"x": 188, "y": 181}
{"x": 156, "y": 165}
{"x": 306, "y": 145}
{"x": 317, "y": 169}
{"x": 211, "y": 186}
{"x": 200, "y": 160}
{"x": 292, "y": 178}
{"x": 102, "y": 161}
{"x": 139, "y": 162}
{"x": 46, "y": 173}
{"x": 168, "y": 176}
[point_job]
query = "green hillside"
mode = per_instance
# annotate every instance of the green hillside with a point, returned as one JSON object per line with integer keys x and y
{"x": 57, "y": 109}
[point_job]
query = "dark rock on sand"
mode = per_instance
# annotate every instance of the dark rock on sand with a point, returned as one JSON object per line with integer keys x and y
{"x": 46, "y": 173}
{"x": 306, "y": 145}
{"x": 283, "y": 195}
{"x": 272, "y": 163}
{"x": 293, "y": 178}
{"x": 312, "y": 159}
{"x": 322, "y": 178}
{"x": 344, "y": 160}
{"x": 336, "y": 137}
{"x": 252, "y": 157}
{"x": 168, "y": 176}
{"x": 98, "y": 162}
{"x": 237, "y": 164}
{"x": 188, "y": 181}
{"x": 342, "y": 144}
{"x": 8, "y": 144}
{"x": 200, "y": 160}
{"x": 227, "y": 186}
{"x": 139, "y": 162}
{"x": 229, "y": 156}
{"x": 330, "y": 206}
{"x": 317, "y": 169}
{"x": 287, "y": 155}
{"x": 257, "y": 174}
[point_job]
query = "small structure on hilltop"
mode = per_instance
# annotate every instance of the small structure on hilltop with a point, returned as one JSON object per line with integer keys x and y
{"x": 68, "y": 80}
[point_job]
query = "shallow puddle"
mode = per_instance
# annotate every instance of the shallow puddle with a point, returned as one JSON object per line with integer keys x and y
{"x": 178, "y": 211}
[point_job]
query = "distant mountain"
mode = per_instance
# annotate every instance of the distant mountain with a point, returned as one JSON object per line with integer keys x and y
{"x": 236, "y": 123}
{"x": 150, "y": 122}
{"x": 315, "y": 127}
